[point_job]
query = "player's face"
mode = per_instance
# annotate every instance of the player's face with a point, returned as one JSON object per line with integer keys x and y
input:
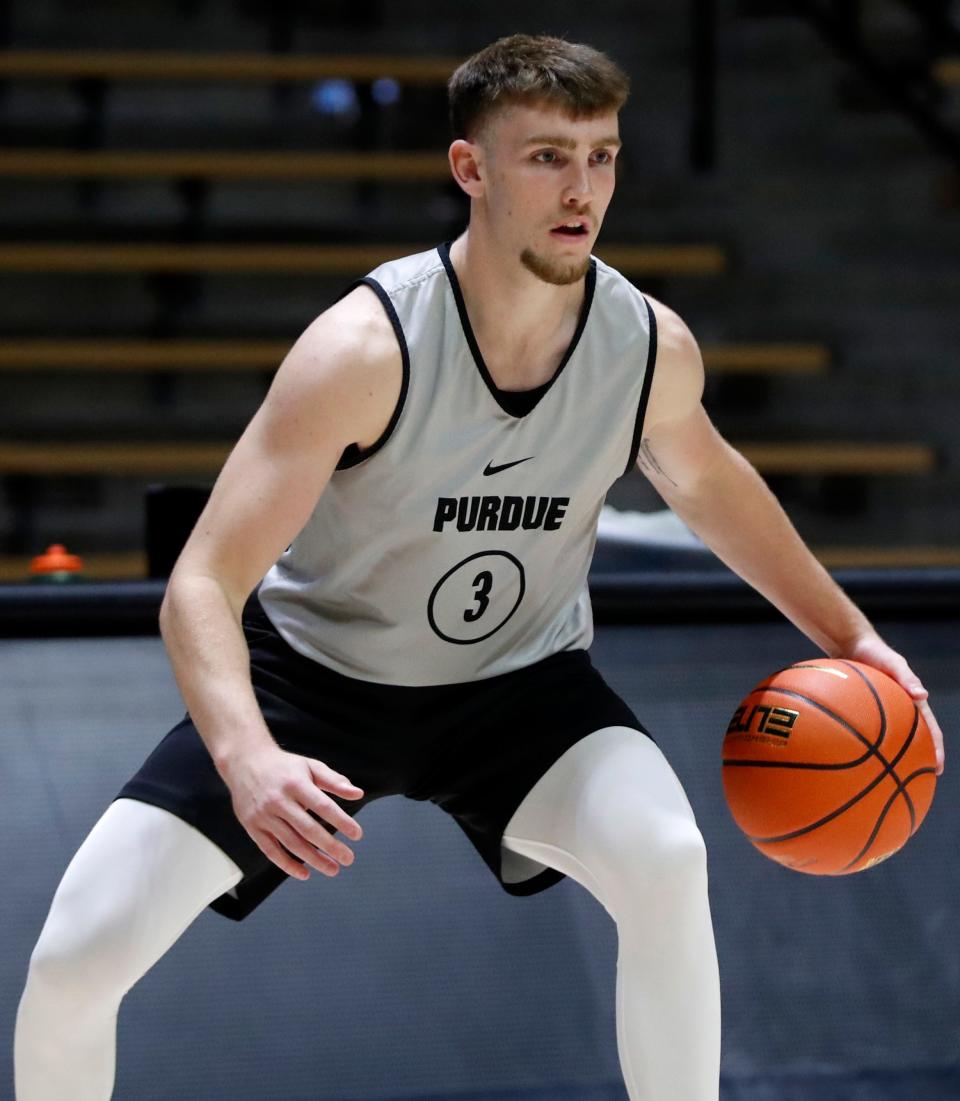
{"x": 549, "y": 180}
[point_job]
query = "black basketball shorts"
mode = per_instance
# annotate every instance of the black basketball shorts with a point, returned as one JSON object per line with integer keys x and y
{"x": 475, "y": 748}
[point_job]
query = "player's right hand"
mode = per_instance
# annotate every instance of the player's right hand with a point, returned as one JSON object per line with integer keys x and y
{"x": 275, "y": 796}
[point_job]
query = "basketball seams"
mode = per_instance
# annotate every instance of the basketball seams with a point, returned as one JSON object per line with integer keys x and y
{"x": 872, "y": 689}
{"x": 927, "y": 770}
{"x": 901, "y": 790}
{"x": 898, "y": 735}
{"x": 740, "y": 762}
{"x": 888, "y": 770}
{"x": 907, "y": 742}
{"x": 862, "y": 794}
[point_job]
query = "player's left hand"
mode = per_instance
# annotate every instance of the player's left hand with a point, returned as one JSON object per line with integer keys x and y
{"x": 872, "y": 650}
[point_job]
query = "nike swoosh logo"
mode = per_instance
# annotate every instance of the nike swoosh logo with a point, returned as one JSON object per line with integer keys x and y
{"x": 491, "y": 469}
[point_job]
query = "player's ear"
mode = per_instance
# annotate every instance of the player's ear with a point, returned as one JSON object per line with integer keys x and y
{"x": 466, "y": 164}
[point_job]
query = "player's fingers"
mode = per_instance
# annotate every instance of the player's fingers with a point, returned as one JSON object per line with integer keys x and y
{"x": 911, "y": 682}
{"x": 278, "y": 855}
{"x": 299, "y": 846}
{"x": 935, "y": 732}
{"x": 318, "y": 835}
{"x": 332, "y": 780}
{"x": 895, "y": 665}
{"x": 323, "y": 807}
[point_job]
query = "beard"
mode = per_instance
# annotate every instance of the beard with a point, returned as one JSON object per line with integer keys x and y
{"x": 553, "y": 271}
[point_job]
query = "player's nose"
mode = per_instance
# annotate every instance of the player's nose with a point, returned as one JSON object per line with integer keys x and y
{"x": 579, "y": 188}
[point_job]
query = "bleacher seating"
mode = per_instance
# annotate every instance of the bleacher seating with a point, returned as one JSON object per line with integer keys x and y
{"x": 178, "y": 457}
{"x": 112, "y": 354}
{"x": 389, "y": 167}
{"x": 947, "y": 71}
{"x": 161, "y": 65}
{"x": 754, "y": 362}
{"x": 660, "y": 260}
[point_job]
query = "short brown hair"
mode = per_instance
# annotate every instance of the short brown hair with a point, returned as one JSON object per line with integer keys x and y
{"x": 527, "y": 69}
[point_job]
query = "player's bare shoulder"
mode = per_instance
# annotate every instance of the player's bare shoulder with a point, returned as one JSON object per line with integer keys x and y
{"x": 678, "y": 378}
{"x": 347, "y": 363}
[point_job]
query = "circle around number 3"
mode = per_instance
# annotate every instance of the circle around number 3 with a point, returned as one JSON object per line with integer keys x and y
{"x": 480, "y": 594}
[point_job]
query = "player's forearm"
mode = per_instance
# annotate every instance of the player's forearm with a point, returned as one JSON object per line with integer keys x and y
{"x": 737, "y": 516}
{"x": 211, "y": 661}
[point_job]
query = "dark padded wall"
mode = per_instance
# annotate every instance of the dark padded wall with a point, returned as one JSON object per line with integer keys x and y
{"x": 412, "y": 975}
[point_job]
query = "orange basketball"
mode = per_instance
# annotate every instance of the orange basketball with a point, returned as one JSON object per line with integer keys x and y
{"x": 828, "y": 766}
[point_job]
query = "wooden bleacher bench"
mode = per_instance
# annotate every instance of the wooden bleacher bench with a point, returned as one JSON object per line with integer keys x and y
{"x": 887, "y": 557}
{"x": 314, "y": 259}
{"x": 946, "y": 71}
{"x": 839, "y": 458}
{"x": 112, "y": 354}
{"x": 112, "y": 459}
{"x": 806, "y": 359}
{"x": 156, "y": 65}
{"x": 258, "y": 165}
{"x": 129, "y": 565}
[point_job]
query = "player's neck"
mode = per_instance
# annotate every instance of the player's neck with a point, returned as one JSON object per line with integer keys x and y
{"x": 517, "y": 319}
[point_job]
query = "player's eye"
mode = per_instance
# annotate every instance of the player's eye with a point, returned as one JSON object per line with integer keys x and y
{"x": 603, "y": 156}
{"x": 545, "y": 156}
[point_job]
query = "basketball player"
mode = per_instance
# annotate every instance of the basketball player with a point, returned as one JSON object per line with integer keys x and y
{"x": 416, "y": 505}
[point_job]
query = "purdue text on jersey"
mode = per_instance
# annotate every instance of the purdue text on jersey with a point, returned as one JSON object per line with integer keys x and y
{"x": 490, "y": 513}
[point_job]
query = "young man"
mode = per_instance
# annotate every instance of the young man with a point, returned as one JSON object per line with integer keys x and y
{"x": 433, "y": 455}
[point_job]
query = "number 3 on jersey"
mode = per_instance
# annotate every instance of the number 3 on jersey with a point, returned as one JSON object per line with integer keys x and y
{"x": 482, "y": 584}
{"x": 476, "y": 597}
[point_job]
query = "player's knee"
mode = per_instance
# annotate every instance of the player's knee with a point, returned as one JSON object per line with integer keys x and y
{"x": 675, "y": 849}
{"x": 666, "y": 860}
{"x": 80, "y": 962}
{"x": 685, "y": 853}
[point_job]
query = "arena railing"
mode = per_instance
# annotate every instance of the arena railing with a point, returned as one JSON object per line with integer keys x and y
{"x": 85, "y": 609}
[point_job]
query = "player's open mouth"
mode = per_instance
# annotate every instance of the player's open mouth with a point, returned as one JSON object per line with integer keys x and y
{"x": 570, "y": 229}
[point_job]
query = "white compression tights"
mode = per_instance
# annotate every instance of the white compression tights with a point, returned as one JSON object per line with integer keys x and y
{"x": 135, "y": 884}
{"x": 610, "y": 814}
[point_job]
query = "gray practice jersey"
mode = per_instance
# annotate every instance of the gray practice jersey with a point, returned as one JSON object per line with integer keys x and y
{"x": 457, "y": 547}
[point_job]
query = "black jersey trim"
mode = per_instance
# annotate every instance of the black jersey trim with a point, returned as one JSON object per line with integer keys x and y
{"x": 518, "y": 403}
{"x": 352, "y": 455}
{"x": 647, "y": 383}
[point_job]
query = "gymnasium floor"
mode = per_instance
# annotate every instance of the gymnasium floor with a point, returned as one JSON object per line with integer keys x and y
{"x": 412, "y": 976}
